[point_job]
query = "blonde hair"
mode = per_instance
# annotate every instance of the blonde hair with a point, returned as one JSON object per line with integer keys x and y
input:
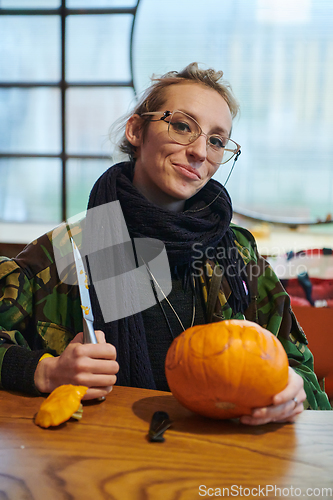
{"x": 154, "y": 96}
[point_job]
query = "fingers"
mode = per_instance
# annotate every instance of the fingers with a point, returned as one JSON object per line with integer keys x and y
{"x": 77, "y": 339}
{"x": 95, "y": 351}
{"x": 96, "y": 366}
{"x": 286, "y": 412}
{"x": 295, "y": 388}
{"x": 297, "y": 408}
{"x": 97, "y": 393}
{"x": 286, "y": 405}
{"x": 99, "y": 335}
{"x": 91, "y": 365}
{"x": 89, "y": 380}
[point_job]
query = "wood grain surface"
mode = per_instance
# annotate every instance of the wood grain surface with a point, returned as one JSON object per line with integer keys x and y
{"x": 107, "y": 454}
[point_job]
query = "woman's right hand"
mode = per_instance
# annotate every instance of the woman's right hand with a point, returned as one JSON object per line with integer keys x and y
{"x": 91, "y": 365}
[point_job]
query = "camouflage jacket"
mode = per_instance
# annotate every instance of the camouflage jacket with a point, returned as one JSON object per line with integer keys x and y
{"x": 39, "y": 313}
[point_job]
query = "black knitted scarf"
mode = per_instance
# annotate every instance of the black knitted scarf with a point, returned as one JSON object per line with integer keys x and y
{"x": 201, "y": 229}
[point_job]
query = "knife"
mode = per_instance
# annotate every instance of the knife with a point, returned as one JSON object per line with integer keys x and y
{"x": 89, "y": 336}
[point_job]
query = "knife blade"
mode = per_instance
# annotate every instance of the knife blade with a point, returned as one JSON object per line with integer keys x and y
{"x": 89, "y": 336}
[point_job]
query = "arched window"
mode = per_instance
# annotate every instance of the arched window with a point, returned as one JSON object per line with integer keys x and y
{"x": 278, "y": 57}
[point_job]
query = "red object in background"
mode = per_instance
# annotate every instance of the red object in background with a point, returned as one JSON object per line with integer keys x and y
{"x": 322, "y": 289}
{"x": 302, "y": 302}
{"x": 307, "y": 274}
{"x": 317, "y": 323}
{"x": 310, "y": 280}
{"x": 298, "y": 301}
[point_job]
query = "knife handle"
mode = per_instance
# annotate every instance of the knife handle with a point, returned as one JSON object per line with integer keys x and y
{"x": 89, "y": 336}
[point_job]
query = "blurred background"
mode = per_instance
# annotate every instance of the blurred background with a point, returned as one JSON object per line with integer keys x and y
{"x": 69, "y": 69}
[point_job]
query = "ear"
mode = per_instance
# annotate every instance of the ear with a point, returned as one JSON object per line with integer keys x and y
{"x": 133, "y": 130}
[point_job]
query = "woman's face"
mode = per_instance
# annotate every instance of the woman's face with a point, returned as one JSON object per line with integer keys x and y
{"x": 168, "y": 173}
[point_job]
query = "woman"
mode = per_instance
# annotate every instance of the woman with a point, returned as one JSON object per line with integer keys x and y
{"x": 176, "y": 139}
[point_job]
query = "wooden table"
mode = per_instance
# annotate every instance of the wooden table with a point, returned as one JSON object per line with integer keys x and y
{"x": 107, "y": 454}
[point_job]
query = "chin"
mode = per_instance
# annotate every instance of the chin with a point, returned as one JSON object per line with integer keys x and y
{"x": 186, "y": 192}
{"x": 184, "y": 196}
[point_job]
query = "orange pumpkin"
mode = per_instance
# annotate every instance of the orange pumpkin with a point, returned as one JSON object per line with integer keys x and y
{"x": 224, "y": 369}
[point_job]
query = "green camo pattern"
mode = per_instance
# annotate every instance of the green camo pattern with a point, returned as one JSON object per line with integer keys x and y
{"x": 34, "y": 302}
{"x": 38, "y": 311}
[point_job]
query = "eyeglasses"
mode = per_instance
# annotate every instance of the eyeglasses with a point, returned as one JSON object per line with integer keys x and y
{"x": 184, "y": 129}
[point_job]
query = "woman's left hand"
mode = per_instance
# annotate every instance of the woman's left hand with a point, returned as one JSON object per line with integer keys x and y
{"x": 286, "y": 404}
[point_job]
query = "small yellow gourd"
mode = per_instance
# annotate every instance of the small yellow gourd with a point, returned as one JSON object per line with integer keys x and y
{"x": 60, "y": 405}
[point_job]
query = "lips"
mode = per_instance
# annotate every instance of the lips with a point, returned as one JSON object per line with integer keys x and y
{"x": 190, "y": 172}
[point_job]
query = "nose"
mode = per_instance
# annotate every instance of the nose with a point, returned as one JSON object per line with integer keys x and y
{"x": 198, "y": 148}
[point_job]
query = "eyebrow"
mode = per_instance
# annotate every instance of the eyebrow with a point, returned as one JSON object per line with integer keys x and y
{"x": 219, "y": 130}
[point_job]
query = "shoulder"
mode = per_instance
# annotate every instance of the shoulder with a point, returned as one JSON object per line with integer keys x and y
{"x": 7, "y": 266}
{"x": 245, "y": 242}
{"x": 47, "y": 251}
{"x": 243, "y": 235}
{"x": 35, "y": 257}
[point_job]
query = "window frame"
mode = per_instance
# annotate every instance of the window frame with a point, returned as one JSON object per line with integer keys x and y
{"x": 63, "y": 85}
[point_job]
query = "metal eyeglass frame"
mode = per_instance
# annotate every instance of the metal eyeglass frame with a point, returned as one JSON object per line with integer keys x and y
{"x": 167, "y": 114}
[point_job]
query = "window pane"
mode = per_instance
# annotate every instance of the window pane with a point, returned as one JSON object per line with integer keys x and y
{"x": 30, "y": 4}
{"x": 90, "y": 113}
{"x": 278, "y": 57}
{"x": 291, "y": 179}
{"x": 30, "y": 190}
{"x": 80, "y": 4}
{"x": 98, "y": 48}
{"x": 30, "y": 120}
{"x": 81, "y": 176}
{"x": 30, "y": 48}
